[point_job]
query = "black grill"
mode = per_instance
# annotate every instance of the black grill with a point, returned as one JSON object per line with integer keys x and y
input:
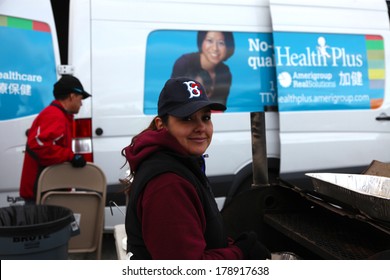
{"x": 329, "y": 235}
{"x": 288, "y": 219}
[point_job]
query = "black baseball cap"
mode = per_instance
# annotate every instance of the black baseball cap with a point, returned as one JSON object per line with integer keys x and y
{"x": 68, "y": 84}
{"x": 181, "y": 97}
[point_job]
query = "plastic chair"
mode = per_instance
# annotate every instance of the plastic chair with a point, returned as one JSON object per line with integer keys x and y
{"x": 83, "y": 190}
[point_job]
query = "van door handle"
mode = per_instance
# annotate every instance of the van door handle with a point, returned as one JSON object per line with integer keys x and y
{"x": 383, "y": 117}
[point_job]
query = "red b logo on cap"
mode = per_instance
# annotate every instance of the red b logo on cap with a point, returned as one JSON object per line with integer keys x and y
{"x": 193, "y": 88}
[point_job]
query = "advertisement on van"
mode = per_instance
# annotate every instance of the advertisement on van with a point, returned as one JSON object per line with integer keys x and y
{"x": 317, "y": 71}
{"x": 243, "y": 61}
{"x": 26, "y": 83}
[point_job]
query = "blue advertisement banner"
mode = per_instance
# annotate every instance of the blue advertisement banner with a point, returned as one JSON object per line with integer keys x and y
{"x": 27, "y": 68}
{"x": 329, "y": 71}
{"x": 242, "y": 75}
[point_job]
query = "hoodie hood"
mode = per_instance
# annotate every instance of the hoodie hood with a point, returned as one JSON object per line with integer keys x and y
{"x": 150, "y": 142}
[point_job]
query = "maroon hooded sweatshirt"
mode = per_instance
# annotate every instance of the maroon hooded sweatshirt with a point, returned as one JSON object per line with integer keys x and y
{"x": 169, "y": 208}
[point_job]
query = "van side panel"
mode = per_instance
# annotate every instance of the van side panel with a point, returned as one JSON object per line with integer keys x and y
{"x": 334, "y": 84}
{"x": 28, "y": 55}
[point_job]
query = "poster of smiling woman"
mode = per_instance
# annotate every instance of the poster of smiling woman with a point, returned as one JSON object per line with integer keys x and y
{"x": 236, "y": 68}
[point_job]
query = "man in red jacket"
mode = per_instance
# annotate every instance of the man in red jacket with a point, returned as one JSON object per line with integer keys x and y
{"x": 49, "y": 139}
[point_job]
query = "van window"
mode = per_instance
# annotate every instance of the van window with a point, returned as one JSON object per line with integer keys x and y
{"x": 26, "y": 75}
{"x": 321, "y": 71}
{"x": 245, "y": 71}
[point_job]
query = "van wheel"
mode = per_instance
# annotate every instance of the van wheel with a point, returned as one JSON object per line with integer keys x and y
{"x": 273, "y": 178}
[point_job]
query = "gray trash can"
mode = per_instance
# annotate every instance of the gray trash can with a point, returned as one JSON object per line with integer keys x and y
{"x": 36, "y": 232}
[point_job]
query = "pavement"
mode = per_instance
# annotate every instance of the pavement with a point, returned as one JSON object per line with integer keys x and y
{"x": 108, "y": 247}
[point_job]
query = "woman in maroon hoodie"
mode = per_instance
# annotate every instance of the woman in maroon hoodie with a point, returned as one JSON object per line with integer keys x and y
{"x": 172, "y": 213}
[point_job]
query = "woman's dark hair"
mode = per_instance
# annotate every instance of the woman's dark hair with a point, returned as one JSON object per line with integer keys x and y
{"x": 229, "y": 41}
{"x": 152, "y": 126}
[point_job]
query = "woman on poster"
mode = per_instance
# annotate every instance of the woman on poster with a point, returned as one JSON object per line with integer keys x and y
{"x": 208, "y": 64}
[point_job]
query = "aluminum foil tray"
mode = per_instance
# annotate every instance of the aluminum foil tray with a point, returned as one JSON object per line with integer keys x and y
{"x": 366, "y": 193}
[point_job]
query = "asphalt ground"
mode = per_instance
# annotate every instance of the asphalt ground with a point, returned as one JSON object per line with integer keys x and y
{"x": 108, "y": 247}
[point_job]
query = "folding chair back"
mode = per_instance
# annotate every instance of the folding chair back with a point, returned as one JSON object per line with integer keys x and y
{"x": 83, "y": 190}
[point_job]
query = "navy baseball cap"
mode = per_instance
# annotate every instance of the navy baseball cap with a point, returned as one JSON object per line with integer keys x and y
{"x": 68, "y": 84}
{"x": 182, "y": 97}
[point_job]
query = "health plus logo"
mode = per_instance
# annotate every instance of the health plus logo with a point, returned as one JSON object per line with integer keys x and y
{"x": 193, "y": 88}
{"x": 322, "y": 47}
{"x": 285, "y": 79}
{"x": 319, "y": 55}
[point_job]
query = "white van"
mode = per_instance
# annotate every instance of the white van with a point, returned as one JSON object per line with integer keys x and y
{"x": 316, "y": 68}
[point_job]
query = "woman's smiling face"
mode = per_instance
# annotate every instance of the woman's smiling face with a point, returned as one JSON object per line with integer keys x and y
{"x": 194, "y": 132}
{"x": 214, "y": 47}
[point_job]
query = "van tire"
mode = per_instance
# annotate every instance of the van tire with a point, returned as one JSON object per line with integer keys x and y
{"x": 246, "y": 184}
